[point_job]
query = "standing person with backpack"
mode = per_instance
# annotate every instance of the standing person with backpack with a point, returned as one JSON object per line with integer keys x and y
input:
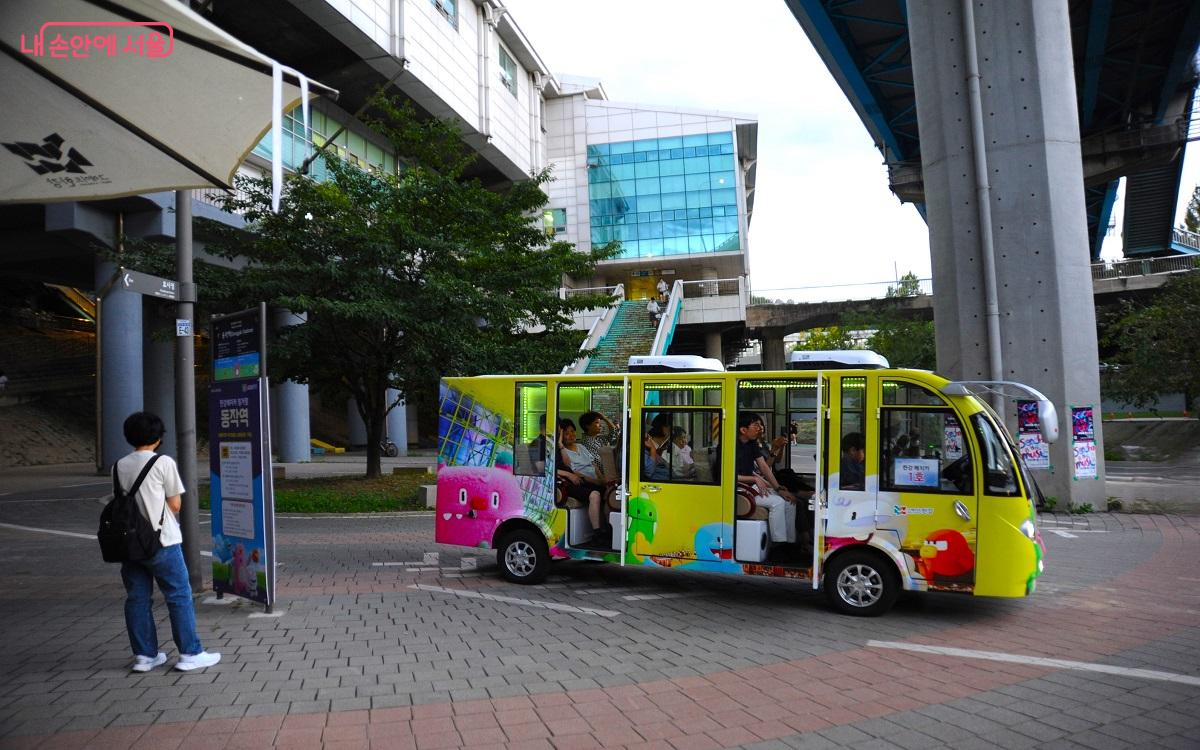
{"x": 154, "y": 484}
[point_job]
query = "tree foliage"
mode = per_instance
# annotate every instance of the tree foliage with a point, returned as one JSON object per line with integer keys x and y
{"x": 404, "y": 278}
{"x": 1155, "y": 345}
{"x": 905, "y": 343}
{"x": 1191, "y": 219}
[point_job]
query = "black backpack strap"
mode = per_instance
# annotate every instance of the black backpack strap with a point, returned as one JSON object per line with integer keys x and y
{"x": 137, "y": 485}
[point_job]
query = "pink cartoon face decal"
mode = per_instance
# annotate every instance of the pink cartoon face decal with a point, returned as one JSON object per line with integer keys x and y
{"x": 472, "y": 501}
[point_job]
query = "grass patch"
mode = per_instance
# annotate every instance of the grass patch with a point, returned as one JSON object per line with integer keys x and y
{"x": 390, "y": 492}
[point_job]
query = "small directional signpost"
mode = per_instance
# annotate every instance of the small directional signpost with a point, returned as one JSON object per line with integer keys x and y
{"x": 151, "y": 286}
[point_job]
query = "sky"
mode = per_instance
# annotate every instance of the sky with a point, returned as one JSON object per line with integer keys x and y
{"x": 823, "y": 214}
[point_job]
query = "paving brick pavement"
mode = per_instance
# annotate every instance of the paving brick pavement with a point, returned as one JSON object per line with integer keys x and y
{"x": 359, "y": 657}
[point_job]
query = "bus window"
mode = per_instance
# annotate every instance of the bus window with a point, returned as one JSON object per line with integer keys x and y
{"x": 923, "y": 450}
{"x": 529, "y": 445}
{"x": 802, "y": 427}
{"x": 898, "y": 393}
{"x": 758, "y": 396}
{"x": 595, "y": 410}
{"x": 680, "y": 446}
{"x": 683, "y": 394}
{"x": 852, "y": 443}
{"x": 999, "y": 472}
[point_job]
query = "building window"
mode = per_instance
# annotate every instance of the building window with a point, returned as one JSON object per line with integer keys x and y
{"x": 348, "y": 146}
{"x": 449, "y": 9}
{"x": 508, "y": 72}
{"x": 665, "y": 196}
{"x": 555, "y": 221}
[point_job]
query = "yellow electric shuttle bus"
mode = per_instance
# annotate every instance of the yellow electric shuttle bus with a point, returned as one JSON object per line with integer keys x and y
{"x": 903, "y": 480}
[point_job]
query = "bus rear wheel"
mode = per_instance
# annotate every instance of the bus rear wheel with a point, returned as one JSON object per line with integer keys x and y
{"x": 523, "y": 556}
{"x": 861, "y": 583}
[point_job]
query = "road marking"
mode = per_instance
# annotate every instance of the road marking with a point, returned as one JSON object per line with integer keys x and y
{"x": 647, "y": 597}
{"x": 214, "y": 600}
{"x": 556, "y": 606}
{"x": 619, "y": 590}
{"x": 47, "y": 531}
{"x": 1063, "y": 534}
{"x": 205, "y": 553}
{"x": 1081, "y": 666}
{"x": 266, "y": 614}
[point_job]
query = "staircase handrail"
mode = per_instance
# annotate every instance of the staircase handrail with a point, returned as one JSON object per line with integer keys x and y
{"x": 1147, "y": 266}
{"x": 1185, "y": 237}
{"x": 666, "y": 323}
{"x": 597, "y": 332}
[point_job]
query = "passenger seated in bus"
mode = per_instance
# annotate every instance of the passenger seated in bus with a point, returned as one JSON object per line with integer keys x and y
{"x": 752, "y": 468}
{"x": 854, "y": 452}
{"x": 654, "y": 463}
{"x": 599, "y": 435}
{"x": 577, "y": 466}
{"x": 683, "y": 466}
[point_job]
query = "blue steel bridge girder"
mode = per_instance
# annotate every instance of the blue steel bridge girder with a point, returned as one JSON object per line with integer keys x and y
{"x": 1132, "y": 60}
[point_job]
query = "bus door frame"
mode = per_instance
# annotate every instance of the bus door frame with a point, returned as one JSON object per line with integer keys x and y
{"x": 623, "y": 487}
{"x": 820, "y": 498}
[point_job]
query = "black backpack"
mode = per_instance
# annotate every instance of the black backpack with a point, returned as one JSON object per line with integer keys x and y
{"x": 125, "y": 534}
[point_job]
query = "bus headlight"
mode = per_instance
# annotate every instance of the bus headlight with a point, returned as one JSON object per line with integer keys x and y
{"x": 1028, "y": 529}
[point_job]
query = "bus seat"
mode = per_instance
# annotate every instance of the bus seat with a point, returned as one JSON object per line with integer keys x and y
{"x": 608, "y": 462}
{"x": 744, "y": 506}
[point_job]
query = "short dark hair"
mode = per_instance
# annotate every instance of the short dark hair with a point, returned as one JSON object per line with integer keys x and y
{"x": 143, "y": 428}
{"x": 747, "y": 418}
{"x": 565, "y": 423}
{"x": 853, "y": 441}
{"x": 586, "y": 419}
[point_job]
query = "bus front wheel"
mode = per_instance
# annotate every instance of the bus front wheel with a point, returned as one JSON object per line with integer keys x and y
{"x": 523, "y": 556}
{"x": 861, "y": 583}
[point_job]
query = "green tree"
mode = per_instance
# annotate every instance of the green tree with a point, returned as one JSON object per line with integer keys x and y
{"x": 1155, "y": 345}
{"x": 905, "y": 343}
{"x": 832, "y": 338}
{"x": 1191, "y": 219}
{"x": 408, "y": 277}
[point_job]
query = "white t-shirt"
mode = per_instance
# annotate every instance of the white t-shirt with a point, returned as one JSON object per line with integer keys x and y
{"x": 162, "y": 482}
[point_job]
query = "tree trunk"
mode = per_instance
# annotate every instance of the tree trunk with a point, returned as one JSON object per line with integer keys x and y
{"x": 375, "y": 424}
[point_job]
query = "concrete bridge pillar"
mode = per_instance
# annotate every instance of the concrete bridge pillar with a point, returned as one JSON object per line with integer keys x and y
{"x": 1027, "y": 201}
{"x": 158, "y": 368}
{"x": 120, "y": 372}
{"x": 289, "y": 406}
{"x": 773, "y": 357}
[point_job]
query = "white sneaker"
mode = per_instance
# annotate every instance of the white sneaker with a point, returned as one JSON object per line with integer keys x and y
{"x": 146, "y": 663}
{"x": 201, "y": 660}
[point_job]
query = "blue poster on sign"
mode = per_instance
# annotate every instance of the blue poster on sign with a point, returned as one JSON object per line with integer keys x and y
{"x": 241, "y": 495}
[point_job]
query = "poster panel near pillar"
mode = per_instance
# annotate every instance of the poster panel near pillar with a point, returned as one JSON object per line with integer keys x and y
{"x": 240, "y": 490}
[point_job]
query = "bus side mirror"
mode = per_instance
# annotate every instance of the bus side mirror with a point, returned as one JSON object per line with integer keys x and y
{"x": 1048, "y": 420}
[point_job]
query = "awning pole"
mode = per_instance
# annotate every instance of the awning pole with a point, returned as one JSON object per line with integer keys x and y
{"x": 185, "y": 387}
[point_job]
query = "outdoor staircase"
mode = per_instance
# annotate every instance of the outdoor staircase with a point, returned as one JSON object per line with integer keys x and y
{"x": 1150, "y": 210}
{"x": 631, "y": 334}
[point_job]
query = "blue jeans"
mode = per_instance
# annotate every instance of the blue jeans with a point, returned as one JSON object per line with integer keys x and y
{"x": 168, "y": 568}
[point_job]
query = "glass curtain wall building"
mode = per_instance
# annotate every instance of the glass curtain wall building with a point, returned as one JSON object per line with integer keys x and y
{"x": 665, "y": 196}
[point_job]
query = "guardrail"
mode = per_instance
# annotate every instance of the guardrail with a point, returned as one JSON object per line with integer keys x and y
{"x": 599, "y": 328}
{"x": 802, "y": 294}
{"x": 1146, "y": 266}
{"x": 711, "y": 287}
{"x": 1186, "y": 238}
{"x": 566, "y": 293}
{"x": 666, "y": 324}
